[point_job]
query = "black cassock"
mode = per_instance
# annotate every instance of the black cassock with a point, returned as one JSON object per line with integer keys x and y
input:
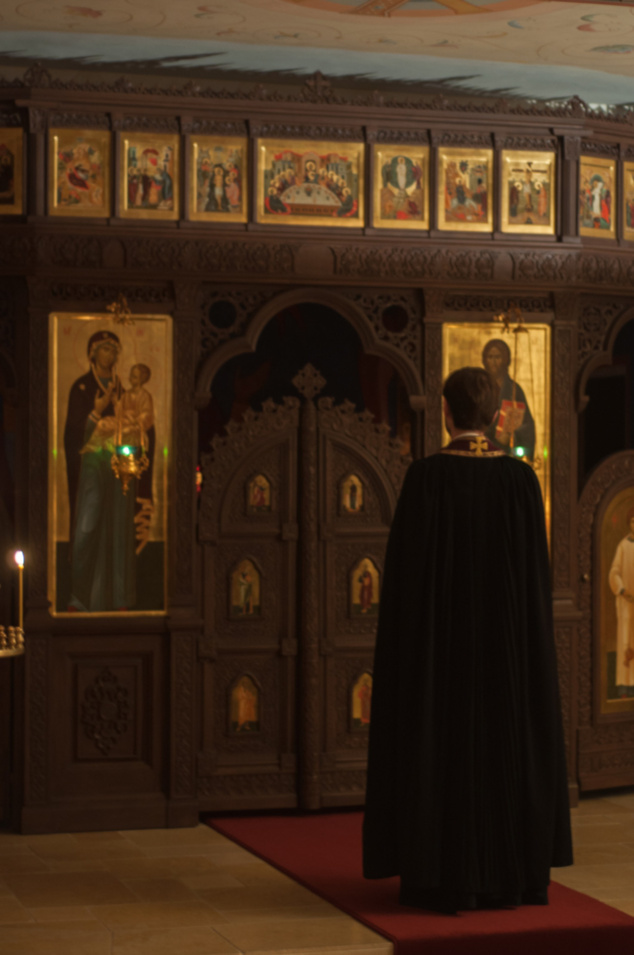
{"x": 467, "y": 787}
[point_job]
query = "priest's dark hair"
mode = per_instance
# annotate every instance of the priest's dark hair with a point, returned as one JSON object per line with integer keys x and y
{"x": 473, "y": 396}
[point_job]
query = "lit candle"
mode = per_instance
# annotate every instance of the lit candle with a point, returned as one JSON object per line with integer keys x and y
{"x": 19, "y": 559}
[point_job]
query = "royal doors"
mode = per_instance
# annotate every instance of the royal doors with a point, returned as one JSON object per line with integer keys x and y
{"x": 295, "y": 511}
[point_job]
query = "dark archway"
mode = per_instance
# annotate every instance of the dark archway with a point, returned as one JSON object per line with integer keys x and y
{"x": 302, "y": 333}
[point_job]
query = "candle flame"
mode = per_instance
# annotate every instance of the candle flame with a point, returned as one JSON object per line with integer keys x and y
{"x": 19, "y": 558}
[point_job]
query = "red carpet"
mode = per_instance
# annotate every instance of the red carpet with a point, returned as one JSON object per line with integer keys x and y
{"x": 324, "y": 854}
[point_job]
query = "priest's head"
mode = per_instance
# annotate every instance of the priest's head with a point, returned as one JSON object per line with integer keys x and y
{"x": 471, "y": 399}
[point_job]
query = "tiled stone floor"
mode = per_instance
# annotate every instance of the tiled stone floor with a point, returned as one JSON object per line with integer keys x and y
{"x": 193, "y": 892}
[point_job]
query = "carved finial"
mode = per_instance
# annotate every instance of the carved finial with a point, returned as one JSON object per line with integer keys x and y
{"x": 309, "y": 382}
{"x": 37, "y": 75}
{"x": 319, "y": 85}
{"x": 120, "y": 309}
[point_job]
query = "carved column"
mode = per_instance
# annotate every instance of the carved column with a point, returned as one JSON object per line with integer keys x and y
{"x": 434, "y": 304}
{"x": 36, "y": 162}
{"x": 569, "y": 186}
{"x": 37, "y": 619}
{"x": 309, "y": 383}
{"x": 184, "y": 625}
{"x": 564, "y": 494}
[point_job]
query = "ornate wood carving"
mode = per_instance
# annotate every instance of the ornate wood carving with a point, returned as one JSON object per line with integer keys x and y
{"x": 572, "y": 148}
{"x": 616, "y": 470}
{"x": 413, "y": 262}
{"x": 37, "y": 120}
{"x": 202, "y": 126}
{"x": 466, "y": 139}
{"x": 76, "y": 120}
{"x": 562, "y": 435}
{"x": 146, "y": 123}
{"x": 594, "y": 326}
{"x": 183, "y": 698}
{"x": 73, "y": 251}
{"x": 403, "y": 137}
{"x": 375, "y": 438}
{"x": 172, "y": 255}
{"x": 38, "y": 684}
{"x": 563, "y": 644}
{"x": 309, "y": 383}
{"x": 306, "y": 131}
{"x": 590, "y": 147}
{"x": 433, "y": 387}
{"x": 246, "y": 300}
{"x": 105, "y": 711}
{"x": 100, "y": 294}
{"x": 374, "y": 303}
{"x": 38, "y": 458}
{"x": 532, "y": 142}
{"x": 493, "y": 304}
{"x": 247, "y": 785}
{"x": 227, "y": 450}
{"x": 185, "y": 335}
{"x": 343, "y": 781}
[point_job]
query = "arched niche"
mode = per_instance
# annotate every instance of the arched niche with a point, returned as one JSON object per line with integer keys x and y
{"x": 313, "y": 327}
{"x": 318, "y": 296}
{"x": 605, "y": 398}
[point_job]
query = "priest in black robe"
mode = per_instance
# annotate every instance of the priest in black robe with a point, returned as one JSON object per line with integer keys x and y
{"x": 467, "y": 796}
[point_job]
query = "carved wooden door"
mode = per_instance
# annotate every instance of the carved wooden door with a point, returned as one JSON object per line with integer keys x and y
{"x": 296, "y": 506}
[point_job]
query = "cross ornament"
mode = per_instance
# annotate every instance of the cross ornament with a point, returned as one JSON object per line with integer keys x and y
{"x": 478, "y": 445}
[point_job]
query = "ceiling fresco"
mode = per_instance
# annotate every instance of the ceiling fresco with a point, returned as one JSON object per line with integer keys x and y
{"x": 532, "y": 48}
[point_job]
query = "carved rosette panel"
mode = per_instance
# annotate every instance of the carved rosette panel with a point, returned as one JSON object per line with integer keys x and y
{"x": 227, "y": 451}
{"x": 617, "y": 470}
{"x": 409, "y": 339}
{"x": 348, "y": 670}
{"x": 105, "y": 711}
{"x": 246, "y": 301}
{"x": 562, "y": 436}
{"x": 594, "y": 326}
{"x": 375, "y": 438}
{"x": 265, "y": 671}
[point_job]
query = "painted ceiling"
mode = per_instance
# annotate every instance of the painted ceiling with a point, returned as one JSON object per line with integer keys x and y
{"x": 528, "y": 47}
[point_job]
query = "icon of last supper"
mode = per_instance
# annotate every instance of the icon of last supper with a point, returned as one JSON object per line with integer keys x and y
{"x": 308, "y": 183}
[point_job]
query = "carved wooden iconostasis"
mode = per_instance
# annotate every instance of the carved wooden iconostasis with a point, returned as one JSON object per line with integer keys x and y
{"x": 310, "y": 249}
